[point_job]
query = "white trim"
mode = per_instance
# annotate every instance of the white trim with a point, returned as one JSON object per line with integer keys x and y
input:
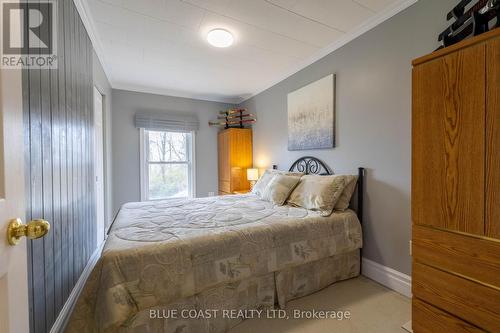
{"x": 386, "y": 276}
{"x": 407, "y": 327}
{"x": 84, "y": 10}
{"x": 63, "y": 317}
{"x": 142, "y": 166}
{"x": 193, "y": 164}
{"x": 176, "y": 93}
{"x": 99, "y": 150}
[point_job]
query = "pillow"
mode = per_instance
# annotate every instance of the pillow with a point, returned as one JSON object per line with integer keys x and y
{"x": 319, "y": 193}
{"x": 279, "y": 188}
{"x": 288, "y": 173}
{"x": 346, "y": 196}
{"x": 261, "y": 184}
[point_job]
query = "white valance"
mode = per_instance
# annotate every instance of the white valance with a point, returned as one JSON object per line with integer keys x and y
{"x": 166, "y": 121}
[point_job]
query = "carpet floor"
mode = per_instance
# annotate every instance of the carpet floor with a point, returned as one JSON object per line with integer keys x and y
{"x": 373, "y": 308}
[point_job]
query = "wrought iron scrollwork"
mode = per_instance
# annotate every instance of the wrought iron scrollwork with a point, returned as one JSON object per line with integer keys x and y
{"x": 311, "y": 165}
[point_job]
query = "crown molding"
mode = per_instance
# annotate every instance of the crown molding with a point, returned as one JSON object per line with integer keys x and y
{"x": 345, "y": 39}
{"x": 83, "y": 9}
{"x": 176, "y": 93}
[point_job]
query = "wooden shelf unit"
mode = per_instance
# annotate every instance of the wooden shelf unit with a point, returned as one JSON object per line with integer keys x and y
{"x": 234, "y": 158}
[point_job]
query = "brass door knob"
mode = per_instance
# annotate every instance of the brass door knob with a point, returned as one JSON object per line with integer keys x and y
{"x": 33, "y": 230}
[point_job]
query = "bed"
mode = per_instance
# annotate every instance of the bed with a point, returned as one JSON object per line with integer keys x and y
{"x": 167, "y": 262}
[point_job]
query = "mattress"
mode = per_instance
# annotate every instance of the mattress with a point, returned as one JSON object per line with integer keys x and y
{"x": 161, "y": 252}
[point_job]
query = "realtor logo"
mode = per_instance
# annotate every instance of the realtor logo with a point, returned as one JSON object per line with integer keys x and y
{"x": 29, "y": 34}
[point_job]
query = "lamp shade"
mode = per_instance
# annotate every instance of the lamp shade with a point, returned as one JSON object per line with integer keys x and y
{"x": 252, "y": 174}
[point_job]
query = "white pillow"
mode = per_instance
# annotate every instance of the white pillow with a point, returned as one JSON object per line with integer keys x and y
{"x": 261, "y": 184}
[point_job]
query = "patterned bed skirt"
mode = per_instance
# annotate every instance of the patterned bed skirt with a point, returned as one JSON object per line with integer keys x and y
{"x": 219, "y": 309}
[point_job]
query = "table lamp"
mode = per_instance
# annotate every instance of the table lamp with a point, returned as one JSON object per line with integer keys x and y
{"x": 252, "y": 176}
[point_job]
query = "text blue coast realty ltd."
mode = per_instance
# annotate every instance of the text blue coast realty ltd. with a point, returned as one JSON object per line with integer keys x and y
{"x": 247, "y": 314}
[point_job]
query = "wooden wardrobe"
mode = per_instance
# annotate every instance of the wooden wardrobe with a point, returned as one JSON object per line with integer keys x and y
{"x": 456, "y": 188}
{"x": 235, "y": 157}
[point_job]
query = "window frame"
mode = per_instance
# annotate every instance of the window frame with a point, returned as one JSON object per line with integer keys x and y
{"x": 144, "y": 164}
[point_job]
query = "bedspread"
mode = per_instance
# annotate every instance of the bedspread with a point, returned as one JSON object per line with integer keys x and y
{"x": 160, "y": 252}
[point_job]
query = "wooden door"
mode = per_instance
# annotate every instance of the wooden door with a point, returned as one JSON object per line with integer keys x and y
{"x": 493, "y": 139}
{"x": 241, "y": 158}
{"x": 13, "y": 263}
{"x": 448, "y": 141}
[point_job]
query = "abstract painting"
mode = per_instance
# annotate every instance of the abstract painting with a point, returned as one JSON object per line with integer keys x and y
{"x": 311, "y": 115}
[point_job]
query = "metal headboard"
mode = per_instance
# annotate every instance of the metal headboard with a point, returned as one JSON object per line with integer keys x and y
{"x": 312, "y": 165}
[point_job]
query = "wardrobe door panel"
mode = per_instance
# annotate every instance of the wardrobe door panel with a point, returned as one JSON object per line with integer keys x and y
{"x": 493, "y": 139}
{"x": 223, "y": 161}
{"x": 448, "y": 141}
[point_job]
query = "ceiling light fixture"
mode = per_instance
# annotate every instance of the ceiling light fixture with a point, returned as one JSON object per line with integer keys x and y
{"x": 220, "y": 38}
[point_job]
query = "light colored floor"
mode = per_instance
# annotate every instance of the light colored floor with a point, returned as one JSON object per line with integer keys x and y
{"x": 373, "y": 308}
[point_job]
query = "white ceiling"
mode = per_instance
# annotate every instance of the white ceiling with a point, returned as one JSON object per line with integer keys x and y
{"x": 159, "y": 46}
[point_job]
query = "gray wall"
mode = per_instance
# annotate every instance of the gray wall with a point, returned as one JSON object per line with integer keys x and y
{"x": 373, "y": 121}
{"x": 125, "y": 139}
{"x": 102, "y": 84}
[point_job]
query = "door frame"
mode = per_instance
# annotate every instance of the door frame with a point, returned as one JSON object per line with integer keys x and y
{"x": 14, "y": 299}
{"x": 104, "y": 162}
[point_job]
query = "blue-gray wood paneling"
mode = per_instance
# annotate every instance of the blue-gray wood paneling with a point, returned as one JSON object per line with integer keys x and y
{"x": 58, "y": 113}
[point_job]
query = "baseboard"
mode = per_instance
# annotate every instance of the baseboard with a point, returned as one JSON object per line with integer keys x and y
{"x": 63, "y": 317}
{"x": 386, "y": 276}
{"x": 407, "y": 327}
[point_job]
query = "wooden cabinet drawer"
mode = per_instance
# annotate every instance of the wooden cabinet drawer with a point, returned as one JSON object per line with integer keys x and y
{"x": 474, "y": 257}
{"x": 473, "y": 302}
{"x": 428, "y": 319}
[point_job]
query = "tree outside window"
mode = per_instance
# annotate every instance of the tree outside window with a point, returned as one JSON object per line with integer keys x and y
{"x": 168, "y": 164}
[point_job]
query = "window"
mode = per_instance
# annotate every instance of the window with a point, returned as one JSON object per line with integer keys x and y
{"x": 167, "y": 166}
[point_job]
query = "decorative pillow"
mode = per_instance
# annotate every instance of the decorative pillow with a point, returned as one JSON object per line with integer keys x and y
{"x": 261, "y": 184}
{"x": 346, "y": 196}
{"x": 279, "y": 188}
{"x": 320, "y": 193}
{"x": 288, "y": 173}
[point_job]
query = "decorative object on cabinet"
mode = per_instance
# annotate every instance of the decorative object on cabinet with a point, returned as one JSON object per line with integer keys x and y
{"x": 252, "y": 176}
{"x": 234, "y": 158}
{"x": 455, "y": 194}
{"x": 477, "y": 19}
{"x": 234, "y": 118}
{"x": 311, "y": 115}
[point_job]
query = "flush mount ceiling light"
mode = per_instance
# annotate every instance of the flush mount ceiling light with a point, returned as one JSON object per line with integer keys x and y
{"x": 220, "y": 38}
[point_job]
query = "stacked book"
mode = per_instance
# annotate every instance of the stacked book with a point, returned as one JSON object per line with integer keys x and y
{"x": 470, "y": 18}
{"x": 237, "y": 118}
